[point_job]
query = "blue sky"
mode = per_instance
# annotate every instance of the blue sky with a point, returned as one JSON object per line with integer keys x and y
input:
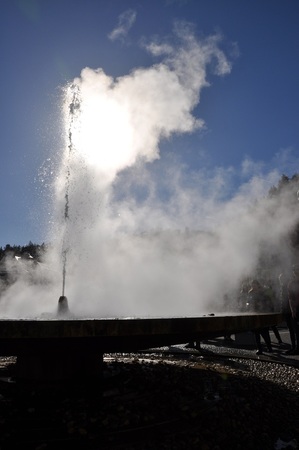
{"x": 250, "y": 113}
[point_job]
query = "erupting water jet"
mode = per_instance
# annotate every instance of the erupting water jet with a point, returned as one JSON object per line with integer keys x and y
{"x": 74, "y": 109}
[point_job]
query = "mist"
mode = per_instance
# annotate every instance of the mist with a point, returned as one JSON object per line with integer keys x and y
{"x": 142, "y": 235}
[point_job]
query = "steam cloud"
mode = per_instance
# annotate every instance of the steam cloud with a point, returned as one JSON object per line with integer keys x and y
{"x": 125, "y": 22}
{"x": 147, "y": 239}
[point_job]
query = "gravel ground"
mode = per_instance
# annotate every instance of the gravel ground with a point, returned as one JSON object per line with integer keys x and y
{"x": 167, "y": 399}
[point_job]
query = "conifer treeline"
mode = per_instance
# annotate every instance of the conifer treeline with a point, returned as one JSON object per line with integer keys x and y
{"x": 36, "y": 251}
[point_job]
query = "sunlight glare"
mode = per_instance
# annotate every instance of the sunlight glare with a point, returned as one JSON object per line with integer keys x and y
{"x": 102, "y": 134}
